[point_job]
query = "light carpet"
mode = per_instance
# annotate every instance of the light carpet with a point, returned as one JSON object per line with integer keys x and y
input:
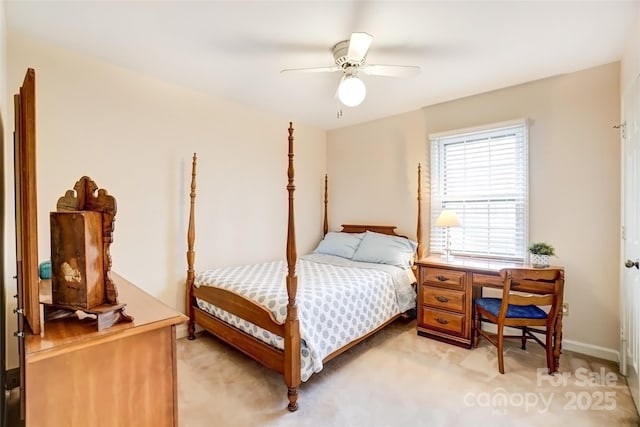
{"x": 397, "y": 378}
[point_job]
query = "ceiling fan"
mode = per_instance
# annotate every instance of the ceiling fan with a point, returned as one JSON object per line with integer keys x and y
{"x": 350, "y": 58}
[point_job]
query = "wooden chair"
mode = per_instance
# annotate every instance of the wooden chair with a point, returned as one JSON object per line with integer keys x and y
{"x": 525, "y": 312}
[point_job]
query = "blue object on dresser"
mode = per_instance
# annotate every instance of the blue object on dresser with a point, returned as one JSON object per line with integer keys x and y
{"x": 44, "y": 270}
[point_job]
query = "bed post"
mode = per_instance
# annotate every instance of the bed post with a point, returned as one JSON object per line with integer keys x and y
{"x": 326, "y": 199}
{"x": 291, "y": 326}
{"x": 420, "y": 250}
{"x": 191, "y": 237}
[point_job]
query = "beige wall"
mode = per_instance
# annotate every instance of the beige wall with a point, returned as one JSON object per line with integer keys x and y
{"x": 630, "y": 63}
{"x": 373, "y": 172}
{"x": 135, "y": 136}
{"x": 574, "y": 180}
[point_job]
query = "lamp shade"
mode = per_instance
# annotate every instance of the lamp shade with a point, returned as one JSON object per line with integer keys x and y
{"x": 351, "y": 91}
{"x": 448, "y": 218}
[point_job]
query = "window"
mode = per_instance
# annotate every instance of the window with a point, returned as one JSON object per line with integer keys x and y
{"x": 482, "y": 175}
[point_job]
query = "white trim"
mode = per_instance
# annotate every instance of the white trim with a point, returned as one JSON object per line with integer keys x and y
{"x": 492, "y": 151}
{"x": 592, "y": 350}
{"x": 482, "y": 128}
{"x": 181, "y": 331}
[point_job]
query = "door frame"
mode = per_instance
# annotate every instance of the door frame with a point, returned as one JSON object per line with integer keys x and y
{"x": 628, "y": 306}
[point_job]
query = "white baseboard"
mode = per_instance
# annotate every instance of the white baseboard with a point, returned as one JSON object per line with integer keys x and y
{"x": 591, "y": 350}
{"x": 181, "y": 331}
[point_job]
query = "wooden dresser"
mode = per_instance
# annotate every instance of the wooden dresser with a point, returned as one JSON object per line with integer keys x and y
{"x": 121, "y": 376}
{"x": 446, "y": 292}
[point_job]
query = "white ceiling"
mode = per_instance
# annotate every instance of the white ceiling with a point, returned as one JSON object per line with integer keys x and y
{"x": 236, "y": 49}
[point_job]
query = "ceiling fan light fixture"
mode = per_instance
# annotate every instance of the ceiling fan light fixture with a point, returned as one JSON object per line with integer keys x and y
{"x": 352, "y": 91}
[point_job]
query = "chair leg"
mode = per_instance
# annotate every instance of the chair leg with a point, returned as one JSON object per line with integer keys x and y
{"x": 501, "y": 349}
{"x": 551, "y": 365}
{"x": 524, "y": 338}
{"x": 557, "y": 343}
{"x": 476, "y": 327}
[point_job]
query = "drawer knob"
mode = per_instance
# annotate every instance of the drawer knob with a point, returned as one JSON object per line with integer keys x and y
{"x": 442, "y": 299}
{"x": 442, "y": 321}
{"x": 442, "y": 278}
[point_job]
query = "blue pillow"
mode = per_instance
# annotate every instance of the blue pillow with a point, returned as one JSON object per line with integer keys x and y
{"x": 339, "y": 244}
{"x": 385, "y": 249}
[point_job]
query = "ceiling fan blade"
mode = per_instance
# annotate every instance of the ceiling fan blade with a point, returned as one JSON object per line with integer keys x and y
{"x": 391, "y": 70}
{"x": 359, "y": 46}
{"x": 312, "y": 70}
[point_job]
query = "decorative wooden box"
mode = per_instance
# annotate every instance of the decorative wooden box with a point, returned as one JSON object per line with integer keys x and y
{"x": 81, "y": 233}
{"x": 77, "y": 270}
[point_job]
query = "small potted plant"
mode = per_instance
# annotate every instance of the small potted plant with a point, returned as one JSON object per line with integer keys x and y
{"x": 540, "y": 253}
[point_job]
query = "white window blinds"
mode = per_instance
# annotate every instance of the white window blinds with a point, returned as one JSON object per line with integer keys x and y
{"x": 482, "y": 175}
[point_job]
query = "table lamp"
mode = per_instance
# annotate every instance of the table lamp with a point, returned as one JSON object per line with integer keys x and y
{"x": 447, "y": 219}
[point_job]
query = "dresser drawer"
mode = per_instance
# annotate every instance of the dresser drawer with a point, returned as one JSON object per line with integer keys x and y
{"x": 446, "y": 321}
{"x": 445, "y": 299}
{"x": 442, "y": 277}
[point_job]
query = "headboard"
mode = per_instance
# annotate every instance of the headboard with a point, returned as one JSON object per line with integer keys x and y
{"x": 361, "y": 228}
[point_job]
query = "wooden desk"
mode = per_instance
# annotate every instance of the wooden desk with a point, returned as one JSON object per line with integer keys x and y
{"x": 446, "y": 292}
{"x": 125, "y": 375}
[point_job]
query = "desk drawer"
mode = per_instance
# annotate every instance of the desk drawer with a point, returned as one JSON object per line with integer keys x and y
{"x": 446, "y": 321}
{"x": 445, "y": 299}
{"x": 442, "y": 277}
{"x": 486, "y": 280}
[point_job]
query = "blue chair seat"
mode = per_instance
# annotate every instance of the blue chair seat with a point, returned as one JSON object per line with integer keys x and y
{"x": 492, "y": 305}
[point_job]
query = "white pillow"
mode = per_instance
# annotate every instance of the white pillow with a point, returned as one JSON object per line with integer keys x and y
{"x": 339, "y": 244}
{"x": 385, "y": 249}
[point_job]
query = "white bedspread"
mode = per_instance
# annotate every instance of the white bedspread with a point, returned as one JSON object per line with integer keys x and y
{"x": 339, "y": 300}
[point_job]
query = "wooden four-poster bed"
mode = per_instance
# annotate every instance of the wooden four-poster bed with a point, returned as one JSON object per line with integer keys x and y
{"x": 272, "y": 335}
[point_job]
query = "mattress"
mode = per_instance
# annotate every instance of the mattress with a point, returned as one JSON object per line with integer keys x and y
{"x": 339, "y": 300}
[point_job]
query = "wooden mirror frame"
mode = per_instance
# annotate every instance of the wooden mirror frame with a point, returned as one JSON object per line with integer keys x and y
{"x": 26, "y": 203}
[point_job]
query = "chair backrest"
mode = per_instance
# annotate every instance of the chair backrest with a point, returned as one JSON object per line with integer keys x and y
{"x": 537, "y": 286}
